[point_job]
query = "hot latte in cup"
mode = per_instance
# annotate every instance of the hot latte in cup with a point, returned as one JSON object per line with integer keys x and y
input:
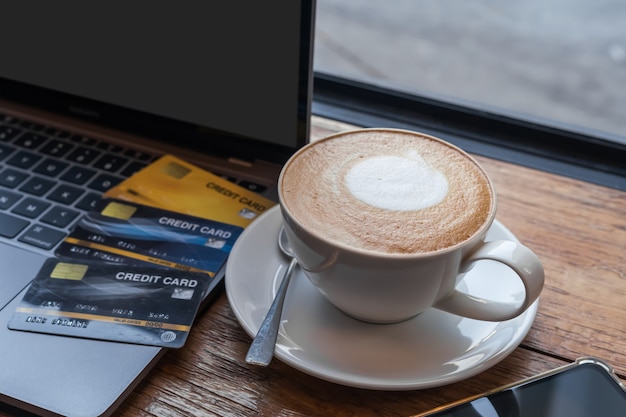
{"x": 383, "y": 222}
{"x": 387, "y": 191}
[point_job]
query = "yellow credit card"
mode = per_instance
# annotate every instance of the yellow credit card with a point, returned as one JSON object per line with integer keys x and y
{"x": 173, "y": 184}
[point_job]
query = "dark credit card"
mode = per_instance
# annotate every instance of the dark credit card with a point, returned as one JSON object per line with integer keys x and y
{"x": 147, "y": 305}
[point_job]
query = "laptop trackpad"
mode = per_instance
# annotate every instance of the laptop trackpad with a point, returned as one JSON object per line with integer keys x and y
{"x": 64, "y": 375}
{"x": 19, "y": 267}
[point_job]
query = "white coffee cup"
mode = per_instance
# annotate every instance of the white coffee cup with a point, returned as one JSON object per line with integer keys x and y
{"x": 384, "y": 221}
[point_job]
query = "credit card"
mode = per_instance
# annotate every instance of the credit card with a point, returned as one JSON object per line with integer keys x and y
{"x": 173, "y": 184}
{"x": 123, "y": 232}
{"x": 124, "y": 303}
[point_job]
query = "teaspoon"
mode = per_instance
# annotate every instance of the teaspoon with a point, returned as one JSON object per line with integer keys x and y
{"x": 261, "y": 350}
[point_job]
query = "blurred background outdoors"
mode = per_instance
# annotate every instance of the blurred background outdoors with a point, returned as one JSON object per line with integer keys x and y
{"x": 561, "y": 61}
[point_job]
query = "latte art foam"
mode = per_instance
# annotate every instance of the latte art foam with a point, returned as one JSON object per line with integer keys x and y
{"x": 397, "y": 183}
{"x": 387, "y": 191}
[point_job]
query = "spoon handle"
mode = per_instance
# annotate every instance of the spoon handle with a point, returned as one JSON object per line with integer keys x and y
{"x": 262, "y": 348}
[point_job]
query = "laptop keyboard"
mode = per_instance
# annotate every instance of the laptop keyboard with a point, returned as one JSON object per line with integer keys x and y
{"x": 50, "y": 177}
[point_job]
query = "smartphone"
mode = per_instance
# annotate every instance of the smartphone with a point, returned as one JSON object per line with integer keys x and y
{"x": 586, "y": 388}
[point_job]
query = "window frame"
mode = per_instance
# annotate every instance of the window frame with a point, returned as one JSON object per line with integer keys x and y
{"x": 587, "y": 156}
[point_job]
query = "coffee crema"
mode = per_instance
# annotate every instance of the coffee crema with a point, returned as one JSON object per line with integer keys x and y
{"x": 386, "y": 190}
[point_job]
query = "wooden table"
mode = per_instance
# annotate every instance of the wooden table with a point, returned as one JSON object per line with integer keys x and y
{"x": 577, "y": 229}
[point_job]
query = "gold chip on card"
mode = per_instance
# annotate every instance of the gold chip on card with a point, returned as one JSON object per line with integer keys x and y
{"x": 64, "y": 270}
{"x": 119, "y": 211}
{"x": 175, "y": 170}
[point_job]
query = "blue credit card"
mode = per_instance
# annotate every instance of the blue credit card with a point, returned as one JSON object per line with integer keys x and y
{"x": 122, "y": 232}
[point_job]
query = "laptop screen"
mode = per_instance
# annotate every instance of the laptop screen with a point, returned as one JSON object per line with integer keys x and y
{"x": 187, "y": 71}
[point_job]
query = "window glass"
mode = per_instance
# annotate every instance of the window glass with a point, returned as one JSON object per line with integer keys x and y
{"x": 560, "y": 62}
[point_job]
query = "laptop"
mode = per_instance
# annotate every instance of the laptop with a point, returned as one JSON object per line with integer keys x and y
{"x": 89, "y": 94}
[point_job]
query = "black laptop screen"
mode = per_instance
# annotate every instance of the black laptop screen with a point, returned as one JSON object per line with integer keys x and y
{"x": 240, "y": 68}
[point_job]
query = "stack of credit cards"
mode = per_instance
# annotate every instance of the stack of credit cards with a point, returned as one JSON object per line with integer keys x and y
{"x": 137, "y": 268}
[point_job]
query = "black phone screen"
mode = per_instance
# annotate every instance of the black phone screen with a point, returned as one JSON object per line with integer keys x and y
{"x": 586, "y": 390}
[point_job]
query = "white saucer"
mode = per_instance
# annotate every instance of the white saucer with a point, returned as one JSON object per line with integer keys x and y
{"x": 432, "y": 349}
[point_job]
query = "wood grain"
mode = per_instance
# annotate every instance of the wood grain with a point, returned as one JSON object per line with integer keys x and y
{"x": 210, "y": 377}
{"x": 577, "y": 229}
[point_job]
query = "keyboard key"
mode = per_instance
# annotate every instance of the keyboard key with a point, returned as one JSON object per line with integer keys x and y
{"x": 31, "y": 207}
{"x": 257, "y": 188}
{"x": 42, "y": 236}
{"x": 78, "y": 175}
{"x": 8, "y": 198}
{"x": 110, "y": 147}
{"x": 103, "y": 182}
{"x": 141, "y": 156}
{"x": 83, "y": 155}
{"x": 65, "y": 194}
{"x": 37, "y": 186}
{"x": 11, "y": 178}
{"x": 27, "y": 124}
{"x": 60, "y": 216}
{"x": 88, "y": 202}
{"x": 83, "y": 140}
{"x": 30, "y": 140}
{"x": 10, "y": 226}
{"x": 24, "y": 159}
{"x": 8, "y": 132}
{"x": 63, "y": 134}
{"x": 110, "y": 163}
{"x": 50, "y": 167}
{"x": 57, "y": 148}
{"x": 5, "y": 151}
{"x": 131, "y": 168}
{"x": 51, "y": 131}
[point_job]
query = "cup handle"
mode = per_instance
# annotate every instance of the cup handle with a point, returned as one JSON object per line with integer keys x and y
{"x": 517, "y": 257}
